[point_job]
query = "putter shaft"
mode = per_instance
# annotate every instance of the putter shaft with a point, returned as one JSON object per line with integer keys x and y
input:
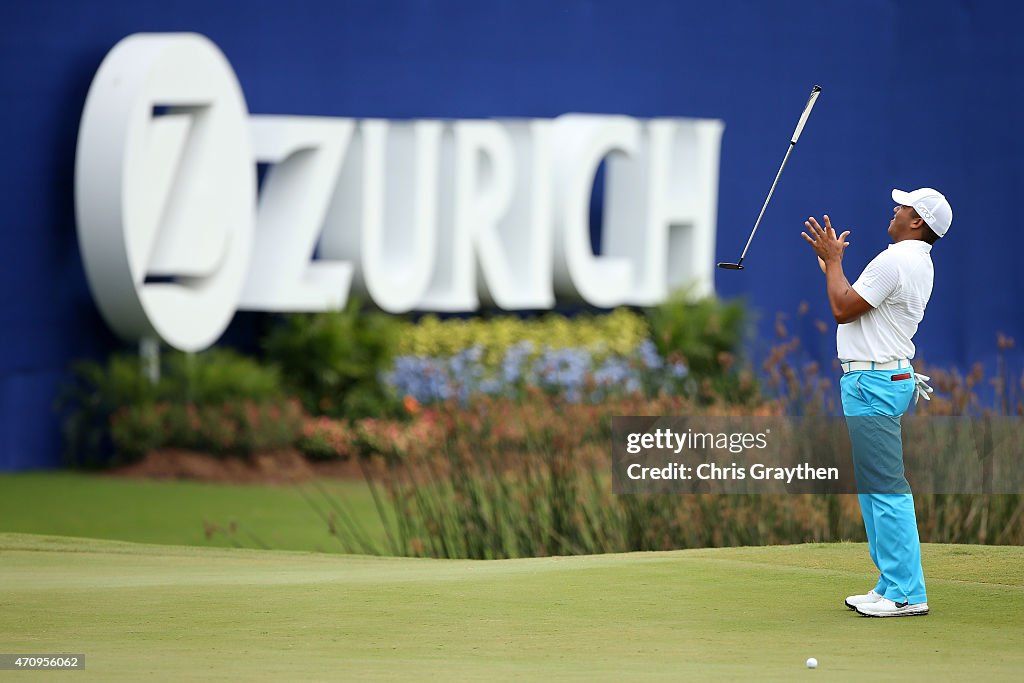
{"x": 767, "y": 199}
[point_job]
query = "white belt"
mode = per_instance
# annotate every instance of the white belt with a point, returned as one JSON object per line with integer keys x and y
{"x": 854, "y": 365}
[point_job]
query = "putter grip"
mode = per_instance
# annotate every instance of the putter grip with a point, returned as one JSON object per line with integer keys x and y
{"x": 815, "y": 91}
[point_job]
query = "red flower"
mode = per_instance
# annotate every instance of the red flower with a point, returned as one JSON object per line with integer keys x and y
{"x": 411, "y": 404}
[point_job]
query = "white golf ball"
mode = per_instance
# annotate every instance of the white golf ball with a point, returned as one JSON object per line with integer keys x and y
{"x": 812, "y": 663}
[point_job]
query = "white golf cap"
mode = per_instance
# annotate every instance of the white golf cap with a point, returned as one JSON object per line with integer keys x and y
{"x": 930, "y": 204}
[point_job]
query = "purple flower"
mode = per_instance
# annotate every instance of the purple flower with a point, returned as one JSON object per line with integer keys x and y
{"x": 565, "y": 371}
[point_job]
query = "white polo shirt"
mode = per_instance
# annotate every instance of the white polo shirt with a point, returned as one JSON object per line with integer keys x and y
{"x": 898, "y": 284}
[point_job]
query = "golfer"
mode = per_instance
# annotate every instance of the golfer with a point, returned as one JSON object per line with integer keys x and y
{"x": 878, "y": 316}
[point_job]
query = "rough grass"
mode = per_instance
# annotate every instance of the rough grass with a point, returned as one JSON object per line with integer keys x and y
{"x": 177, "y": 613}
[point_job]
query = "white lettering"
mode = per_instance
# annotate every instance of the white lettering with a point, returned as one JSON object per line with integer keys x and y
{"x": 584, "y": 142}
{"x": 306, "y": 154}
{"x": 425, "y": 215}
{"x": 384, "y": 214}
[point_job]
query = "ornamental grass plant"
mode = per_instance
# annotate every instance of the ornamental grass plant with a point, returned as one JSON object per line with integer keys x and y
{"x": 529, "y": 474}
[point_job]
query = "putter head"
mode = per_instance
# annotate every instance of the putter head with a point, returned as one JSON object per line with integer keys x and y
{"x": 730, "y": 266}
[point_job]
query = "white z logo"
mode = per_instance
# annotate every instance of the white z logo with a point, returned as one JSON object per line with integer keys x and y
{"x": 164, "y": 167}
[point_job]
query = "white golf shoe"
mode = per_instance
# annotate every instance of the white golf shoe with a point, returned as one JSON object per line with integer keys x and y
{"x": 869, "y": 597}
{"x": 888, "y": 608}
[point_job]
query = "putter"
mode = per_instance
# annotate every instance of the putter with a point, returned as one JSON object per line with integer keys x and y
{"x": 815, "y": 91}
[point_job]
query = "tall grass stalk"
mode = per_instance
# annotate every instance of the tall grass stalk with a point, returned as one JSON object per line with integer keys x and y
{"x": 532, "y": 477}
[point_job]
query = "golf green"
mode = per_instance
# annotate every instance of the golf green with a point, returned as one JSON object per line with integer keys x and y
{"x": 185, "y": 613}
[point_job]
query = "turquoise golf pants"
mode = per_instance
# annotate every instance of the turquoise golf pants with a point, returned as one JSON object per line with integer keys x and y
{"x": 873, "y": 401}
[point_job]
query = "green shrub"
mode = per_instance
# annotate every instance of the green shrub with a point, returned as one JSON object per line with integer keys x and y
{"x": 258, "y": 426}
{"x": 332, "y": 361}
{"x": 219, "y": 376}
{"x": 235, "y": 428}
{"x": 95, "y": 392}
{"x": 707, "y": 335}
{"x": 326, "y": 439}
{"x": 136, "y": 430}
{"x": 153, "y": 414}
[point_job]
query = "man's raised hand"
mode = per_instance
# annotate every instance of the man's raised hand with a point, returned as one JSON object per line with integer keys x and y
{"x": 826, "y": 245}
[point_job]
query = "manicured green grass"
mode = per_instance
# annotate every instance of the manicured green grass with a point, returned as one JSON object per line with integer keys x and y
{"x": 179, "y": 513}
{"x": 184, "y": 613}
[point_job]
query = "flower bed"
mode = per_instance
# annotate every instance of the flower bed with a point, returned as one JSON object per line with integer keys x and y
{"x": 578, "y": 374}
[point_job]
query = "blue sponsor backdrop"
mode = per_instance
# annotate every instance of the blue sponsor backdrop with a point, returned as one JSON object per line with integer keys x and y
{"x": 915, "y": 93}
